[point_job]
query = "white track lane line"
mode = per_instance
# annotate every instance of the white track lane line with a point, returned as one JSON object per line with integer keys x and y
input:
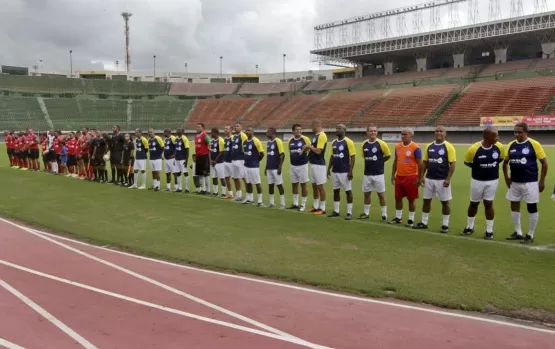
{"x": 296, "y": 288}
{"x": 4, "y": 343}
{"x": 166, "y": 309}
{"x": 74, "y": 335}
{"x": 163, "y": 286}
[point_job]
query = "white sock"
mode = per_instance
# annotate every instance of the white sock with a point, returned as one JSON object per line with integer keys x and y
{"x": 425, "y": 217}
{"x": 349, "y": 208}
{"x": 367, "y": 210}
{"x": 516, "y": 221}
{"x": 336, "y": 206}
{"x": 143, "y": 177}
{"x": 259, "y": 197}
{"x": 296, "y": 199}
{"x": 214, "y": 189}
{"x": 229, "y": 191}
{"x": 179, "y": 187}
{"x": 533, "y": 223}
{"x": 316, "y": 203}
{"x": 489, "y": 226}
{"x": 239, "y": 194}
{"x": 384, "y": 211}
{"x": 322, "y": 205}
{"x": 411, "y": 216}
{"x": 304, "y": 199}
{"x": 224, "y": 190}
{"x": 168, "y": 185}
{"x": 398, "y": 214}
{"x": 187, "y": 183}
{"x": 446, "y": 220}
{"x": 470, "y": 222}
{"x": 207, "y": 183}
{"x": 271, "y": 199}
{"x": 136, "y": 178}
{"x": 282, "y": 200}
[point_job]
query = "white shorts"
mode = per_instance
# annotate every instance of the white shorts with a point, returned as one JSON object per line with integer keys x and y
{"x": 228, "y": 168}
{"x": 156, "y": 165}
{"x": 181, "y": 166}
{"x": 218, "y": 171}
{"x": 433, "y": 188}
{"x": 318, "y": 174}
{"x": 528, "y": 192}
{"x": 170, "y": 166}
{"x": 341, "y": 180}
{"x": 483, "y": 190}
{"x": 139, "y": 165}
{"x": 274, "y": 177}
{"x": 373, "y": 183}
{"x": 252, "y": 175}
{"x": 238, "y": 169}
{"x": 299, "y": 174}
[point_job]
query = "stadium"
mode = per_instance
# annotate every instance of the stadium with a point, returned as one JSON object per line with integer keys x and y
{"x": 112, "y": 267}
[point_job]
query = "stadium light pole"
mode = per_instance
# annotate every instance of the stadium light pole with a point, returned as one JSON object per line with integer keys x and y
{"x": 154, "y": 66}
{"x": 185, "y": 68}
{"x": 117, "y": 67}
{"x": 284, "y": 55}
{"x": 70, "y": 63}
{"x": 256, "y": 66}
{"x": 221, "y": 60}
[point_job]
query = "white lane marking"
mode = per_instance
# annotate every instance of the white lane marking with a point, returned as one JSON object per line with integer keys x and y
{"x": 166, "y": 309}
{"x": 161, "y": 285}
{"x": 297, "y": 288}
{"x": 74, "y": 335}
{"x": 9, "y": 345}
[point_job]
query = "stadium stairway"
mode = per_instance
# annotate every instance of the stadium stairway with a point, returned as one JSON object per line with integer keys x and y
{"x": 367, "y": 108}
{"x": 445, "y": 105}
{"x": 249, "y": 109}
{"x": 45, "y": 112}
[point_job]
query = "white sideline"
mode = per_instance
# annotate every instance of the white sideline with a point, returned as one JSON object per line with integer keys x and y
{"x": 161, "y": 285}
{"x": 298, "y": 288}
{"x": 9, "y": 345}
{"x": 166, "y": 309}
{"x": 74, "y": 335}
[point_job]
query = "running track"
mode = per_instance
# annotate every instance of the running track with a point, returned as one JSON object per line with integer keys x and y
{"x": 59, "y": 293}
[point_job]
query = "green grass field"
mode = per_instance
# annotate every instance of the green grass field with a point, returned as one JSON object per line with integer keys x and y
{"x": 368, "y": 258}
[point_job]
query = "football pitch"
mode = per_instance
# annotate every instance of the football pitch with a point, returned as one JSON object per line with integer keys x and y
{"x": 364, "y": 257}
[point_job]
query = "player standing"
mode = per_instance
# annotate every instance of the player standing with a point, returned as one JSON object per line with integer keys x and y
{"x": 522, "y": 156}
{"x": 202, "y": 151}
{"x": 9, "y": 139}
{"x": 316, "y": 157}
{"x": 404, "y": 175}
{"x": 238, "y": 159}
{"x": 141, "y": 151}
{"x": 100, "y": 148}
{"x": 127, "y": 160}
{"x": 274, "y": 164}
{"x": 169, "y": 157}
{"x": 33, "y": 150}
{"x": 436, "y": 170}
{"x": 254, "y": 153}
{"x": 298, "y": 171}
{"x": 217, "y": 167}
{"x": 375, "y": 153}
{"x": 228, "y": 140}
{"x": 155, "y": 148}
{"x": 181, "y": 160}
{"x": 483, "y": 158}
{"x": 342, "y": 163}
{"x": 116, "y": 154}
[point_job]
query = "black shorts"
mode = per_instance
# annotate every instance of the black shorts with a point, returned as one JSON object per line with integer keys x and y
{"x": 51, "y": 156}
{"x": 45, "y": 157}
{"x": 98, "y": 161}
{"x": 23, "y": 154}
{"x": 128, "y": 161}
{"x": 34, "y": 154}
{"x": 71, "y": 160}
{"x": 116, "y": 157}
{"x": 10, "y": 152}
{"x": 85, "y": 157}
{"x": 202, "y": 165}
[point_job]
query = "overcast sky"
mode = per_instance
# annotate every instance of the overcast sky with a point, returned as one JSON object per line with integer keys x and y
{"x": 244, "y": 32}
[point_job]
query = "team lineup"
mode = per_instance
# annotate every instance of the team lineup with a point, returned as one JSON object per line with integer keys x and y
{"x": 222, "y": 162}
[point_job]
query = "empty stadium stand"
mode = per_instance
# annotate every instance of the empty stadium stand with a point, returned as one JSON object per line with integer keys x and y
{"x": 200, "y": 89}
{"x": 159, "y": 114}
{"x": 38, "y": 84}
{"x": 270, "y": 88}
{"x": 119, "y": 87}
{"x": 18, "y": 113}
{"x": 288, "y": 110}
{"x": 219, "y": 112}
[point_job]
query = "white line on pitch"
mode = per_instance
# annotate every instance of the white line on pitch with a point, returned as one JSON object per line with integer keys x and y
{"x": 85, "y": 343}
{"x": 159, "y": 284}
{"x": 297, "y": 288}
{"x": 166, "y": 309}
{"x": 9, "y": 345}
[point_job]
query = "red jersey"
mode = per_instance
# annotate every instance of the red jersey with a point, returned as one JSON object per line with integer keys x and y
{"x": 84, "y": 144}
{"x": 10, "y": 142}
{"x": 76, "y": 147}
{"x": 201, "y": 147}
{"x": 32, "y": 141}
{"x": 19, "y": 144}
{"x": 44, "y": 145}
{"x": 57, "y": 146}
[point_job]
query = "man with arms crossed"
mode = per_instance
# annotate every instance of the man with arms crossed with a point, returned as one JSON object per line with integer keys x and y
{"x": 375, "y": 153}
{"x": 181, "y": 160}
{"x": 202, "y": 162}
{"x": 228, "y": 166}
{"x": 316, "y": 156}
{"x": 438, "y": 166}
{"x": 254, "y": 153}
{"x": 522, "y": 156}
{"x": 404, "y": 175}
{"x": 217, "y": 167}
{"x": 483, "y": 158}
{"x": 342, "y": 162}
{"x": 274, "y": 163}
{"x": 156, "y": 149}
{"x": 238, "y": 159}
{"x": 298, "y": 172}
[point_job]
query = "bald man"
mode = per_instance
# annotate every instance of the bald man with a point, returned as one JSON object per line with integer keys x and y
{"x": 317, "y": 158}
{"x": 341, "y": 165}
{"x": 436, "y": 170}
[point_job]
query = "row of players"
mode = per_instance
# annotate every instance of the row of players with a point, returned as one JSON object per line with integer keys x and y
{"x": 236, "y": 157}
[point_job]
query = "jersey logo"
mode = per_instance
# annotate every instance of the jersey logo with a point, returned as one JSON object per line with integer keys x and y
{"x": 408, "y": 153}
{"x": 495, "y": 155}
{"x": 523, "y": 160}
{"x": 341, "y": 148}
{"x": 374, "y": 150}
{"x": 441, "y": 152}
{"x": 525, "y": 151}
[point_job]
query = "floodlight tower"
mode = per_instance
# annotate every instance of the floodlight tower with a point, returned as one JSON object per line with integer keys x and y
{"x": 126, "y": 16}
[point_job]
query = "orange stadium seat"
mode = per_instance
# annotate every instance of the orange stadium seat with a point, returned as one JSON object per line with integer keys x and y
{"x": 202, "y": 89}
{"x": 511, "y": 66}
{"x": 262, "y": 109}
{"x": 218, "y": 112}
{"x": 288, "y": 110}
{"x": 269, "y": 88}
{"x": 500, "y": 98}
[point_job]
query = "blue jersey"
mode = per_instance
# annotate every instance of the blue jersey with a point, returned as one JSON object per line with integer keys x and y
{"x": 237, "y": 146}
{"x": 253, "y": 149}
{"x": 484, "y": 162}
{"x": 523, "y": 160}
{"x": 141, "y": 148}
{"x": 216, "y": 147}
{"x": 181, "y": 148}
{"x": 155, "y": 148}
{"x": 227, "y": 149}
{"x": 374, "y": 154}
{"x": 319, "y": 141}
{"x": 342, "y": 150}
{"x": 297, "y": 156}
{"x": 274, "y": 149}
{"x": 169, "y": 147}
{"x": 438, "y": 157}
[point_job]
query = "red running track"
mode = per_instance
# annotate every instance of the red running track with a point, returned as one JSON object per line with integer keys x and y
{"x": 98, "y": 298}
